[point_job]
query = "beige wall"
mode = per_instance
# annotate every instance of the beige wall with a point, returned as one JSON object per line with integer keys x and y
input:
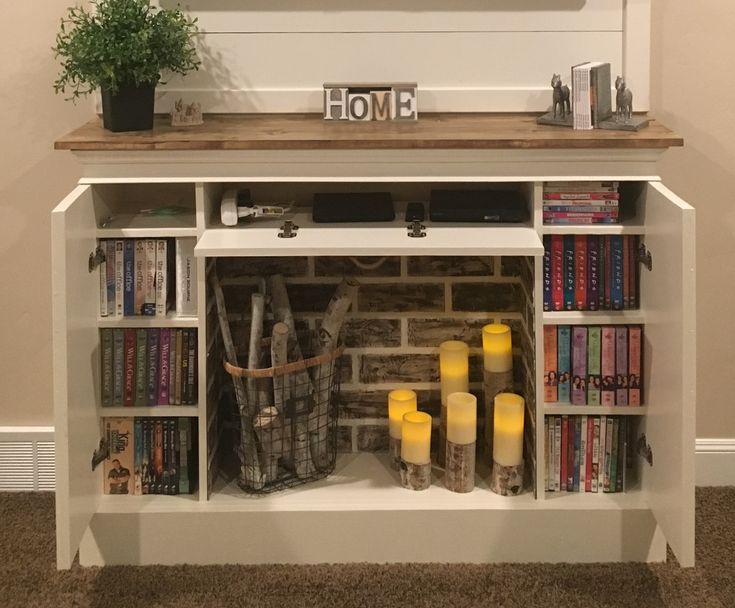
{"x": 32, "y": 179}
{"x": 692, "y": 93}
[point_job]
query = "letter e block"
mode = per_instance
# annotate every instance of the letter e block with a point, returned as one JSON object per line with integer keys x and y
{"x": 405, "y": 99}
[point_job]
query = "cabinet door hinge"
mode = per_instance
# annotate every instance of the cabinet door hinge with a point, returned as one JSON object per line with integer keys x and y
{"x": 645, "y": 450}
{"x": 644, "y": 256}
{"x": 416, "y": 230}
{"x": 288, "y": 230}
{"x": 96, "y": 258}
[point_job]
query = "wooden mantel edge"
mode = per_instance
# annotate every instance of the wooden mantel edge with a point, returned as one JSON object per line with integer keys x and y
{"x": 311, "y": 132}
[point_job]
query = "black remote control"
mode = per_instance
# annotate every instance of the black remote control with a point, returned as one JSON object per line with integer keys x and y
{"x": 415, "y": 212}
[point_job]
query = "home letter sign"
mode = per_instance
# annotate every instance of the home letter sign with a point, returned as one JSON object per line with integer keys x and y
{"x": 371, "y": 102}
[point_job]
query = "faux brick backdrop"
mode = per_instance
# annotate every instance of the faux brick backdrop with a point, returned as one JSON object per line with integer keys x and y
{"x": 404, "y": 309}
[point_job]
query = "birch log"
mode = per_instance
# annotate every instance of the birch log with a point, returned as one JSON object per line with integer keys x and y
{"x": 269, "y": 429}
{"x": 281, "y": 388}
{"x": 257, "y": 310}
{"x": 251, "y": 474}
{"x": 300, "y": 387}
{"x": 328, "y": 337}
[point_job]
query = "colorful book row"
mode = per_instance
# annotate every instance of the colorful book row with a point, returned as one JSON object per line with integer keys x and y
{"x": 147, "y": 277}
{"x": 149, "y": 366}
{"x": 586, "y": 453}
{"x": 593, "y": 365}
{"x": 590, "y": 272}
{"x": 160, "y": 452}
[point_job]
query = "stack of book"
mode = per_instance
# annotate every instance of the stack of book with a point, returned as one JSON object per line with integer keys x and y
{"x": 590, "y": 272}
{"x": 149, "y": 366}
{"x": 150, "y": 455}
{"x": 147, "y": 277}
{"x": 593, "y": 365}
{"x": 581, "y": 202}
{"x": 586, "y": 453}
{"x": 591, "y": 94}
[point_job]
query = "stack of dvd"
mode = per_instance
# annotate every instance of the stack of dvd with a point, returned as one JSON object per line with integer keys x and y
{"x": 594, "y": 202}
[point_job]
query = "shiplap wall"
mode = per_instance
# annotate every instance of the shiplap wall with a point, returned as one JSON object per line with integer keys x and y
{"x": 465, "y": 55}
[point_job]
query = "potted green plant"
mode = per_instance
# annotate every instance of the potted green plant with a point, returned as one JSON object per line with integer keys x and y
{"x": 122, "y": 47}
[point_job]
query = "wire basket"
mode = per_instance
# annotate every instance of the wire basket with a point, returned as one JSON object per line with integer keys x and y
{"x": 289, "y": 419}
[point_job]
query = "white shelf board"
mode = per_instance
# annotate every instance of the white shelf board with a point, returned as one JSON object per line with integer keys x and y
{"x": 594, "y": 317}
{"x": 629, "y": 227}
{"x": 170, "y": 320}
{"x": 553, "y": 409}
{"x": 148, "y": 503}
{"x": 132, "y": 225}
{"x": 182, "y": 411}
{"x": 368, "y": 238}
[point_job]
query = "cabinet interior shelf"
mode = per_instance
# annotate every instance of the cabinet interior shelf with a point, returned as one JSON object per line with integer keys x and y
{"x": 152, "y": 411}
{"x": 141, "y": 225}
{"x": 594, "y": 317}
{"x": 170, "y": 320}
{"x": 553, "y": 409}
{"x": 635, "y": 227}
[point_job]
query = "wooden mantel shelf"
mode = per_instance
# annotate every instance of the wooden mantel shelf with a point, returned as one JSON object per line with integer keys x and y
{"x": 311, "y": 132}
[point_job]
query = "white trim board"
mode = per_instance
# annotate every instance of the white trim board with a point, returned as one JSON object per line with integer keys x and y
{"x": 22, "y": 447}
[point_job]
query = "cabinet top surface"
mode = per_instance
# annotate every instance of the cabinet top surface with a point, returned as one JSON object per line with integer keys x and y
{"x": 311, "y": 132}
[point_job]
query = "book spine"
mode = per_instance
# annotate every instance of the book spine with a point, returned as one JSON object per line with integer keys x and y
{"x": 557, "y": 454}
{"x": 547, "y": 272}
{"x": 577, "y": 452}
{"x": 107, "y": 367}
{"x": 614, "y": 456}
{"x": 594, "y": 376}
{"x": 580, "y": 271}
{"x": 583, "y": 454}
{"x": 149, "y": 303}
{"x": 581, "y": 207}
{"x": 176, "y": 387}
{"x": 550, "y": 369}
{"x": 589, "y": 430}
{"x": 564, "y": 361}
{"x": 118, "y": 365}
{"x": 129, "y": 386}
{"x": 141, "y": 365}
{"x": 185, "y": 337}
{"x": 103, "y": 280}
{"x": 607, "y": 364}
{"x": 146, "y": 460}
{"x": 173, "y": 481}
{"x": 577, "y": 221}
{"x": 607, "y": 281}
{"x": 186, "y": 281}
{"x": 583, "y": 196}
{"x": 633, "y": 240}
{"x": 570, "y": 454}
{"x": 158, "y": 454}
{"x": 622, "y": 445}
{"x": 110, "y": 263}
{"x": 184, "y": 447}
{"x": 634, "y": 364}
{"x": 579, "y": 365}
{"x": 547, "y": 456}
{"x": 557, "y": 272}
{"x": 120, "y": 462}
{"x": 569, "y": 281}
{"x": 608, "y": 453}
{"x": 603, "y": 440}
{"x": 564, "y": 455}
{"x": 138, "y": 466}
{"x": 598, "y": 215}
{"x": 139, "y": 276}
{"x": 173, "y": 353}
{"x": 129, "y": 278}
{"x": 153, "y": 362}
{"x": 161, "y": 277}
{"x": 119, "y": 278}
{"x": 581, "y": 186}
{"x": 621, "y": 365}
{"x": 593, "y": 288}
{"x": 192, "y": 377}
{"x": 595, "y": 454}
{"x": 166, "y": 477}
{"x": 164, "y": 346}
{"x": 616, "y": 295}
{"x": 626, "y": 273}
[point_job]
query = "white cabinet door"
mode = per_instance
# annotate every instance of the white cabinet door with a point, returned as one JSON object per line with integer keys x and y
{"x": 76, "y": 369}
{"x": 668, "y": 303}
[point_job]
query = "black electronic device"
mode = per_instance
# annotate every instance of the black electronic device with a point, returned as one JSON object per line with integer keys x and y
{"x": 415, "y": 212}
{"x": 347, "y": 207}
{"x": 487, "y": 206}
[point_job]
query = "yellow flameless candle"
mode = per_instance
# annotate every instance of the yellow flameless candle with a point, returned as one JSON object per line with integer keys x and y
{"x": 454, "y": 368}
{"x": 508, "y": 429}
{"x": 416, "y": 438}
{"x": 462, "y": 418}
{"x": 400, "y": 402}
{"x": 497, "y": 348}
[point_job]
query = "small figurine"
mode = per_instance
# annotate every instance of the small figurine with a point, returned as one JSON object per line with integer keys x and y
{"x": 184, "y": 116}
{"x": 623, "y": 101}
{"x": 560, "y": 96}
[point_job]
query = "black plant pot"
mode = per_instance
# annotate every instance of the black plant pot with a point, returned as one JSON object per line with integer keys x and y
{"x": 131, "y": 109}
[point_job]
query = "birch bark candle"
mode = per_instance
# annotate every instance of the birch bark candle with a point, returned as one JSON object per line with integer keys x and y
{"x": 497, "y": 351}
{"x": 454, "y": 375}
{"x": 400, "y": 402}
{"x": 507, "y": 473}
{"x": 461, "y": 442}
{"x": 415, "y": 451}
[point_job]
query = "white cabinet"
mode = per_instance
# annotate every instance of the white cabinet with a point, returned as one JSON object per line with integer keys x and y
{"x": 361, "y": 513}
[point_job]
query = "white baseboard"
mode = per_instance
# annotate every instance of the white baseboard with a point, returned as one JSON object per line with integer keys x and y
{"x": 27, "y": 460}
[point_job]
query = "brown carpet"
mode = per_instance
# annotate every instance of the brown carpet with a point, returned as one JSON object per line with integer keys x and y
{"x": 28, "y": 577}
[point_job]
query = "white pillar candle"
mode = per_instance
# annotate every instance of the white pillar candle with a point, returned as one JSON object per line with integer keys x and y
{"x": 508, "y": 429}
{"x": 461, "y": 418}
{"x": 400, "y": 402}
{"x": 416, "y": 438}
{"x": 454, "y": 368}
{"x": 497, "y": 348}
